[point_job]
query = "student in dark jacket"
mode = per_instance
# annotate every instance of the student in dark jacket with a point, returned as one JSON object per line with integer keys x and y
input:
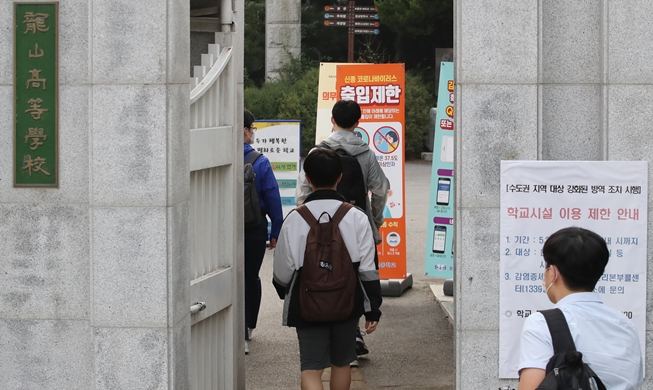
{"x": 333, "y": 343}
{"x": 256, "y": 237}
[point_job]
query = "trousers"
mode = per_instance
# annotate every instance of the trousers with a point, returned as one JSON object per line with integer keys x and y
{"x": 255, "y": 244}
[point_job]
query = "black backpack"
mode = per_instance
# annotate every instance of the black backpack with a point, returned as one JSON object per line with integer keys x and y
{"x": 566, "y": 370}
{"x": 352, "y": 185}
{"x": 252, "y": 205}
{"x": 327, "y": 282}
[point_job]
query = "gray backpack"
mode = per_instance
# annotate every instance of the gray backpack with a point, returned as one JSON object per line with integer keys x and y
{"x": 251, "y": 202}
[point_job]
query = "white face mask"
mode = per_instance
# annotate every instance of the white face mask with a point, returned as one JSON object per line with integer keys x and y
{"x": 546, "y": 289}
{"x": 251, "y": 137}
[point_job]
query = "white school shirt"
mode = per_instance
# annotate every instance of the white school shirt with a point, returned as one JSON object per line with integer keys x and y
{"x": 607, "y": 339}
{"x": 354, "y": 228}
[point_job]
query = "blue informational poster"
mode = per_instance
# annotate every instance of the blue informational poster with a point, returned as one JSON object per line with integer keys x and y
{"x": 439, "y": 232}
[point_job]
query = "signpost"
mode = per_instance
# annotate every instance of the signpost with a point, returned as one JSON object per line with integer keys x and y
{"x": 359, "y": 20}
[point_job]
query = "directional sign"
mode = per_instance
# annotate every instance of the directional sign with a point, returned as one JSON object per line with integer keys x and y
{"x": 345, "y": 8}
{"x": 364, "y": 31}
{"x": 347, "y": 23}
{"x": 358, "y": 19}
{"x": 336, "y": 16}
{"x": 336, "y": 8}
{"x": 366, "y": 16}
{"x": 363, "y": 8}
{"x": 338, "y": 23}
{"x": 362, "y": 23}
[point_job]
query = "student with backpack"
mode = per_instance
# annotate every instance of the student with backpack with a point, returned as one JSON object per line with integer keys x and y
{"x": 324, "y": 270}
{"x": 581, "y": 344}
{"x": 261, "y": 198}
{"x": 361, "y": 174}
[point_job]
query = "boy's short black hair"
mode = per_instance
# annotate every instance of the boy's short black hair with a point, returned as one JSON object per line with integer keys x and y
{"x": 346, "y": 113}
{"x": 323, "y": 167}
{"x": 580, "y": 254}
{"x": 249, "y": 119}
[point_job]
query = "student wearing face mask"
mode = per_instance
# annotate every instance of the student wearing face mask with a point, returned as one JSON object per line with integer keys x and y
{"x": 256, "y": 237}
{"x": 575, "y": 260}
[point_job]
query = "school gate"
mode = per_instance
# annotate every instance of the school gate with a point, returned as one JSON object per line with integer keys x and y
{"x": 128, "y": 273}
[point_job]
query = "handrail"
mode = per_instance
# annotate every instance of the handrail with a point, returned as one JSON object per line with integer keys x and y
{"x": 210, "y": 78}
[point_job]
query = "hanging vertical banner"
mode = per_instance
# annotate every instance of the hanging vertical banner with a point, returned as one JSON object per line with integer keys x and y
{"x": 326, "y": 98}
{"x": 36, "y": 90}
{"x": 280, "y": 142}
{"x": 439, "y": 230}
{"x": 379, "y": 90}
{"x": 539, "y": 198}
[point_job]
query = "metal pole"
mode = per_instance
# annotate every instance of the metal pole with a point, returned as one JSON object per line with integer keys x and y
{"x": 226, "y": 15}
{"x": 350, "y": 23}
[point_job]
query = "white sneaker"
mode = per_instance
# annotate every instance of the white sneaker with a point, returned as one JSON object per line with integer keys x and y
{"x": 246, "y": 348}
{"x": 249, "y": 332}
{"x": 354, "y": 363}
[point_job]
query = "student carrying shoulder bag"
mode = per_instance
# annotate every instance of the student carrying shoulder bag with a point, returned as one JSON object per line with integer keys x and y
{"x": 566, "y": 370}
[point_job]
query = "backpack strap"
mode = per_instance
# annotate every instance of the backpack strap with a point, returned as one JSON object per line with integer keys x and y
{"x": 252, "y": 156}
{"x": 306, "y": 214}
{"x": 563, "y": 341}
{"x": 340, "y": 150}
{"x": 337, "y": 217}
{"x": 341, "y": 212}
{"x": 559, "y": 329}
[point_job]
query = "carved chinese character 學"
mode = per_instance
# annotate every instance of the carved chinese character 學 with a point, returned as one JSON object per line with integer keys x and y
{"x": 35, "y": 22}
{"x": 35, "y": 165}
{"x": 38, "y": 53}
{"x": 36, "y": 135}
{"x": 35, "y": 109}
{"x": 35, "y": 81}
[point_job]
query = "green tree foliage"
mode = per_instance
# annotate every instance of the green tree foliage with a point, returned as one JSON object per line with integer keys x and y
{"x": 410, "y": 32}
{"x": 319, "y": 42}
{"x": 413, "y": 29}
{"x": 419, "y": 101}
{"x": 302, "y": 104}
{"x": 293, "y": 96}
{"x": 265, "y": 102}
{"x": 415, "y": 17}
{"x": 254, "y": 42}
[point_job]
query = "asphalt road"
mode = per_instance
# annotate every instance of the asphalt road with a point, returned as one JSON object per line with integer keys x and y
{"x": 412, "y": 347}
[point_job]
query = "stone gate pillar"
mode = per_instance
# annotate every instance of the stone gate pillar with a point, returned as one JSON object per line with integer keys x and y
{"x": 283, "y": 22}
{"x": 93, "y": 279}
{"x": 536, "y": 80}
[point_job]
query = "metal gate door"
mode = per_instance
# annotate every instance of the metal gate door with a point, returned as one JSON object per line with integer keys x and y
{"x": 216, "y": 360}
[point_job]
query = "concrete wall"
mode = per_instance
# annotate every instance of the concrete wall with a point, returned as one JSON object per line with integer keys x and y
{"x": 283, "y": 40}
{"x": 537, "y": 80}
{"x": 88, "y": 294}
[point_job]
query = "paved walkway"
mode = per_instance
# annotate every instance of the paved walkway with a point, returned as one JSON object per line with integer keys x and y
{"x": 412, "y": 347}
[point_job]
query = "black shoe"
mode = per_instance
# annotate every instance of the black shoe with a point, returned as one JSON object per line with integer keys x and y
{"x": 361, "y": 348}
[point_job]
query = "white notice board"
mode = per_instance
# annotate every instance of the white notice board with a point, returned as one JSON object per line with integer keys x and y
{"x": 541, "y": 197}
{"x": 280, "y": 142}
